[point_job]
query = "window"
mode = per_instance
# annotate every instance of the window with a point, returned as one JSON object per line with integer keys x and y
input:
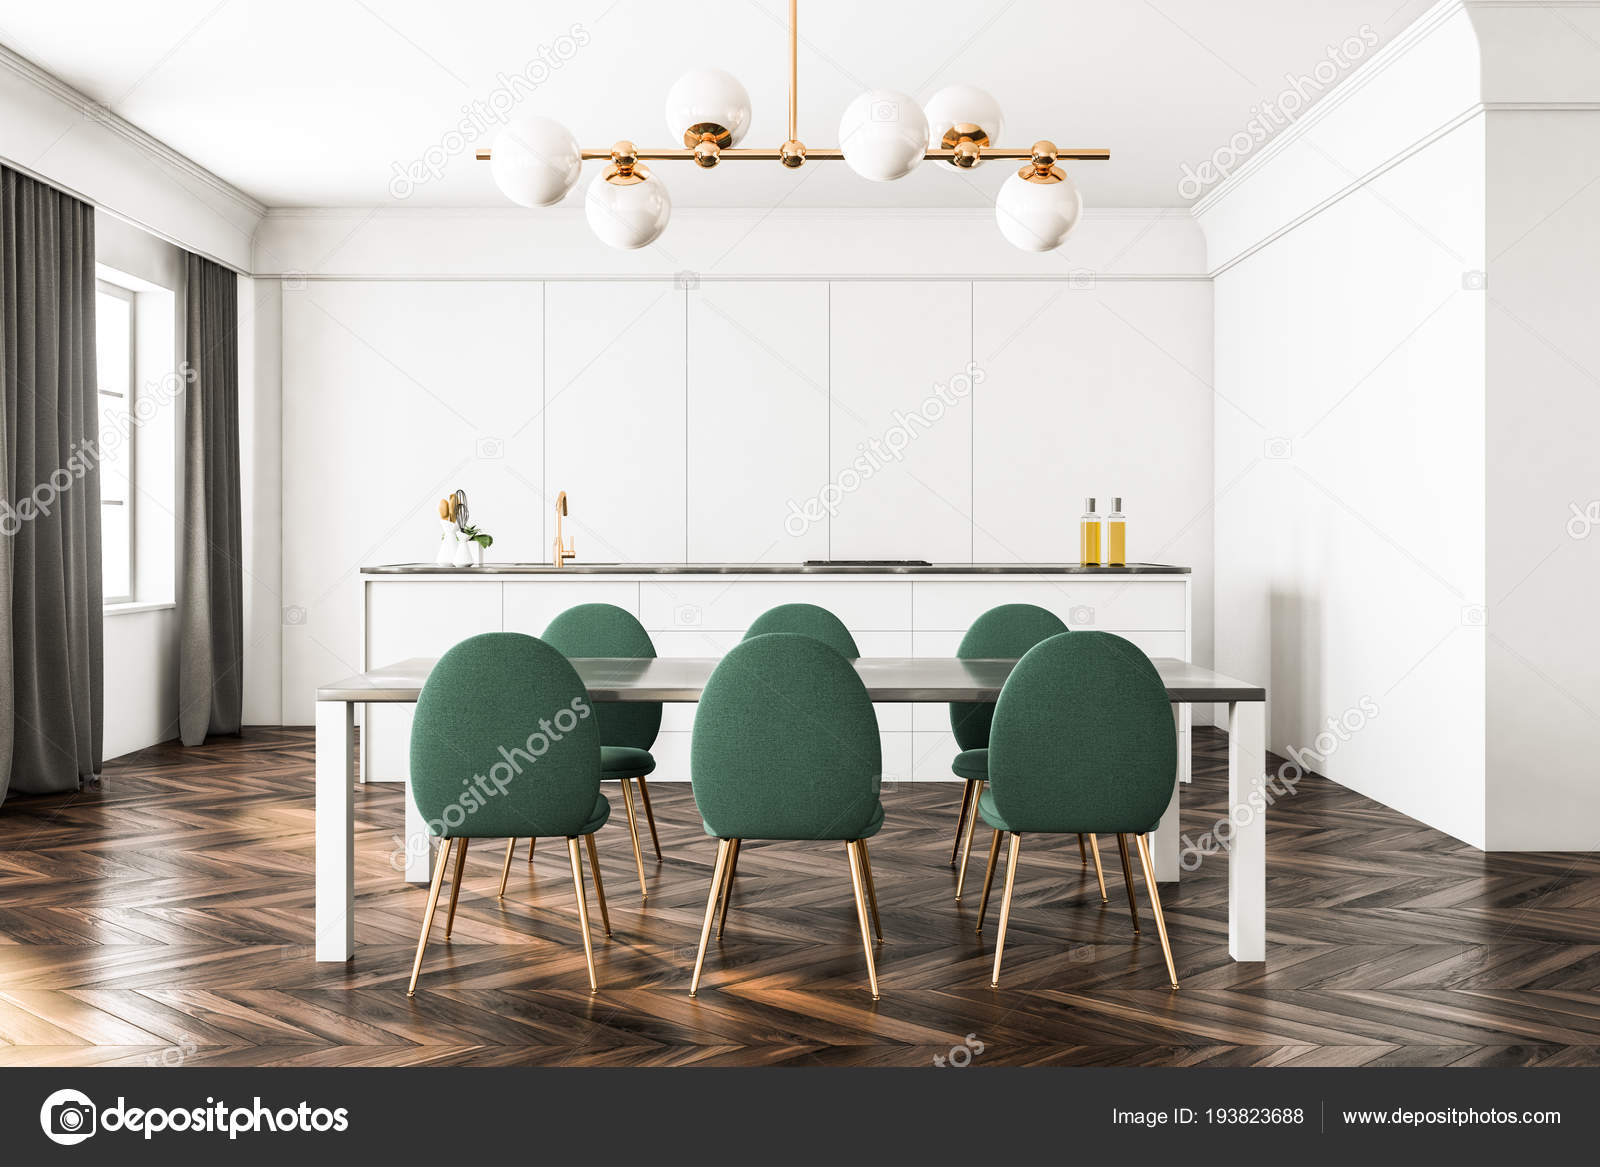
{"x": 114, "y": 358}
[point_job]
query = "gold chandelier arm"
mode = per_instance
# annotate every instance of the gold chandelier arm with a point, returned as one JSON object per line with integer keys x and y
{"x": 746, "y": 154}
{"x": 794, "y": 71}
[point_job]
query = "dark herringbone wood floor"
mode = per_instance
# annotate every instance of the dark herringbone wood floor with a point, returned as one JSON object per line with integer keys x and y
{"x": 166, "y": 916}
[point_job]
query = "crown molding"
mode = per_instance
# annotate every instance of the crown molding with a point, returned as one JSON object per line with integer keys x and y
{"x": 1386, "y": 56}
{"x": 1343, "y": 91}
{"x": 158, "y": 151}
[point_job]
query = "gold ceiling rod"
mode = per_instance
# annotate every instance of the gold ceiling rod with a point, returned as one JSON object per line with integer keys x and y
{"x": 967, "y": 144}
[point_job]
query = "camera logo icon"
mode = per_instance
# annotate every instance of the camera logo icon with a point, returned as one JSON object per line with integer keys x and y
{"x": 68, "y": 1117}
{"x": 1474, "y": 281}
{"x": 490, "y": 448}
{"x": 687, "y": 616}
{"x": 884, "y": 110}
{"x": 294, "y": 614}
{"x": 1277, "y": 449}
{"x": 1081, "y": 616}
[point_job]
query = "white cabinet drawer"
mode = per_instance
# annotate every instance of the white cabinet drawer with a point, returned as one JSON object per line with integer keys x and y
{"x": 734, "y": 604}
{"x": 1112, "y": 603}
{"x": 529, "y": 607}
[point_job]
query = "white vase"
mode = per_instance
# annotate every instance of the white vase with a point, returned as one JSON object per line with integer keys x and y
{"x": 463, "y": 557}
{"x": 446, "y": 555}
{"x": 476, "y": 550}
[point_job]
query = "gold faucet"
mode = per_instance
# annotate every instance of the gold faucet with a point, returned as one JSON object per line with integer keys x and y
{"x": 562, "y": 552}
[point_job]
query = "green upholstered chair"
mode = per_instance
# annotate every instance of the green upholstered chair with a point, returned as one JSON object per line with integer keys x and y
{"x": 807, "y": 620}
{"x": 627, "y": 728}
{"x": 1082, "y": 742}
{"x": 1002, "y": 633}
{"x": 786, "y": 747}
{"x": 505, "y": 743}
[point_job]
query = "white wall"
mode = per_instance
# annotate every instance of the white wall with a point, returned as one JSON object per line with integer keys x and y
{"x": 1349, "y": 481}
{"x": 1406, "y": 366}
{"x": 424, "y": 352}
{"x": 1543, "y": 424}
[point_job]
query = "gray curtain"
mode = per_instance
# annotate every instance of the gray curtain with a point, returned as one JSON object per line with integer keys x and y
{"x": 211, "y": 651}
{"x": 51, "y": 706}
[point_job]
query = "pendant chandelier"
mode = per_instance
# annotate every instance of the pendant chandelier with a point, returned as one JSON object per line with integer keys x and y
{"x": 883, "y": 136}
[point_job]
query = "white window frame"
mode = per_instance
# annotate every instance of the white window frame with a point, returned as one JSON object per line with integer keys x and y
{"x": 131, "y": 453}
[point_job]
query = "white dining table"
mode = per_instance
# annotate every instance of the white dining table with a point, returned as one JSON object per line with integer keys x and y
{"x": 890, "y": 679}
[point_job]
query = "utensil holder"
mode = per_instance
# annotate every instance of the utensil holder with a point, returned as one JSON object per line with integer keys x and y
{"x": 446, "y": 555}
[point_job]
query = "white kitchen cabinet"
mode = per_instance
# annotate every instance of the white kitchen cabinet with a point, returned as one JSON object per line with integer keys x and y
{"x": 614, "y": 397}
{"x": 900, "y": 452}
{"x": 758, "y": 420}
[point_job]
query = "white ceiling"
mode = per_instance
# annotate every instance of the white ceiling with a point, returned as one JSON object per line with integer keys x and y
{"x": 313, "y": 102}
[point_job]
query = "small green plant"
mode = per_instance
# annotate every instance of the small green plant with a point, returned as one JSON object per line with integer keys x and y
{"x": 481, "y": 538}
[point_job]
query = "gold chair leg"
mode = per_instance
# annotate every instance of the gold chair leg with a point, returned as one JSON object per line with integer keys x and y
{"x": 650, "y": 816}
{"x": 1083, "y": 854}
{"x": 1099, "y": 872}
{"x": 723, "y": 847}
{"x": 852, "y": 849}
{"x": 1155, "y": 906}
{"x": 872, "y": 889}
{"x": 455, "y": 887}
{"x": 727, "y": 886}
{"x": 988, "y": 879}
{"x": 599, "y": 888}
{"x": 427, "y": 916}
{"x": 966, "y": 849}
{"x": 583, "y": 909}
{"x": 531, "y": 842}
{"x": 961, "y": 820}
{"x": 633, "y": 831}
{"x": 505, "y": 871}
{"x": 1005, "y": 907}
{"x": 1127, "y": 878}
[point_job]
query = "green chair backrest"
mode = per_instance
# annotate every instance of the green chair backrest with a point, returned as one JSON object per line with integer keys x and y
{"x": 785, "y": 744}
{"x": 504, "y": 742}
{"x": 807, "y": 620}
{"x": 1083, "y": 739}
{"x": 1003, "y": 633}
{"x": 607, "y": 630}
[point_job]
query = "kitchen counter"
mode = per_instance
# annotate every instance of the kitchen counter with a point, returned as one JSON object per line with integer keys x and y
{"x": 775, "y": 569}
{"x": 704, "y": 609}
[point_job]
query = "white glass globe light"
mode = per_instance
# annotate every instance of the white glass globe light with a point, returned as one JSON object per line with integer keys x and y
{"x": 630, "y": 214}
{"x": 962, "y": 105}
{"x": 1038, "y": 216}
{"x": 883, "y": 135}
{"x": 707, "y": 97}
{"x": 535, "y": 161}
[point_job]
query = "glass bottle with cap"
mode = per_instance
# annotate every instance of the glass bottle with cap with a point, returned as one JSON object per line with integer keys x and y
{"x": 1089, "y": 536}
{"x": 1116, "y": 536}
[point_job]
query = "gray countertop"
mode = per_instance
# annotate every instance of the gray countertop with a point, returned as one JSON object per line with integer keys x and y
{"x": 774, "y": 569}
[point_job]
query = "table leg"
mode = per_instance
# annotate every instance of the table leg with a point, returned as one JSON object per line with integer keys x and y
{"x": 1247, "y": 847}
{"x": 336, "y": 835}
{"x": 1163, "y": 841}
{"x": 419, "y": 844}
